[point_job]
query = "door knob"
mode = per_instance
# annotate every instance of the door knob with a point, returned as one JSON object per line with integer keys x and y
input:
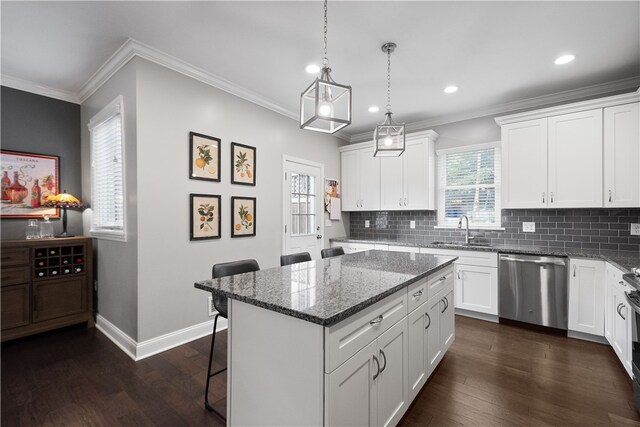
{"x": 319, "y": 236}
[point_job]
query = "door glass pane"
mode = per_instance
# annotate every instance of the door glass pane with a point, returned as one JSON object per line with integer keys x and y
{"x": 312, "y": 223}
{"x": 295, "y": 186}
{"x": 303, "y": 224}
{"x": 295, "y": 205}
{"x": 303, "y": 205}
{"x": 312, "y": 185}
{"x": 294, "y": 225}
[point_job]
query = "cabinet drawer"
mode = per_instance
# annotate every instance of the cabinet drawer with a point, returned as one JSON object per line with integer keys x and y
{"x": 346, "y": 338}
{"x": 417, "y": 294}
{"x": 15, "y": 306}
{"x": 14, "y": 256}
{"x": 15, "y": 275}
{"x": 438, "y": 281}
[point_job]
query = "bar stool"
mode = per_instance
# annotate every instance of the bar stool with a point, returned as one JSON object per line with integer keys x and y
{"x": 294, "y": 258}
{"x": 331, "y": 252}
{"x": 221, "y": 305}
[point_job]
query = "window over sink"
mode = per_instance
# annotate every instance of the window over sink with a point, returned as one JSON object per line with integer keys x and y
{"x": 469, "y": 184}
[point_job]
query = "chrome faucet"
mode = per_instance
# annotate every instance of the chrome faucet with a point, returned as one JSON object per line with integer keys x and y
{"x": 466, "y": 236}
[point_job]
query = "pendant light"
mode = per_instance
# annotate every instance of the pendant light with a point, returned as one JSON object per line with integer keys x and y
{"x": 389, "y": 135}
{"x": 325, "y": 106}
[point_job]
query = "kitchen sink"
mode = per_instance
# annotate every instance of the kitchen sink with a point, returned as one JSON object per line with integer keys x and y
{"x": 462, "y": 245}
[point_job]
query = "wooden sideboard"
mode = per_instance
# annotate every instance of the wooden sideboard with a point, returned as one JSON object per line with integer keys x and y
{"x": 45, "y": 284}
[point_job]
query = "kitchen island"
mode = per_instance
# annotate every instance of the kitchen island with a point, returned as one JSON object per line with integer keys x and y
{"x": 348, "y": 340}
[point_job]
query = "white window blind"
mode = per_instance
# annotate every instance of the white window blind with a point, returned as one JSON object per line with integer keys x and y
{"x": 469, "y": 184}
{"x": 107, "y": 173}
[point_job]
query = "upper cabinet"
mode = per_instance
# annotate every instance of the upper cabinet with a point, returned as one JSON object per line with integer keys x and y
{"x": 560, "y": 157}
{"x": 406, "y": 182}
{"x": 622, "y": 156}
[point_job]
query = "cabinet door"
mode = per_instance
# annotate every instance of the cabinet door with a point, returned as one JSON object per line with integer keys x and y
{"x": 15, "y": 306}
{"x": 447, "y": 323}
{"x": 477, "y": 288}
{"x": 58, "y": 298}
{"x": 524, "y": 164}
{"x": 620, "y": 325}
{"x": 609, "y": 308}
{"x": 575, "y": 160}
{"x": 369, "y": 176}
{"x": 434, "y": 342}
{"x": 418, "y": 176}
{"x": 352, "y": 392}
{"x": 350, "y": 180}
{"x": 586, "y": 296}
{"x": 418, "y": 363}
{"x": 391, "y": 188}
{"x": 393, "y": 389}
{"x": 622, "y": 156}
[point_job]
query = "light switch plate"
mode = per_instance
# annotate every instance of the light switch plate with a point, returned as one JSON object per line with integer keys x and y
{"x": 635, "y": 229}
{"x": 528, "y": 227}
{"x": 412, "y": 224}
{"x": 367, "y": 224}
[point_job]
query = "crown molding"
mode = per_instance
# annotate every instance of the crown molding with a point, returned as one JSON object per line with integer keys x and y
{"x": 536, "y": 102}
{"x": 38, "y": 89}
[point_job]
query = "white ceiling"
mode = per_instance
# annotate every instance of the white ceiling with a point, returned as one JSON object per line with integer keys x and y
{"x": 496, "y": 52}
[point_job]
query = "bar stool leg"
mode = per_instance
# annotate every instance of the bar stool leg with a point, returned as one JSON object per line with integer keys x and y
{"x": 210, "y": 375}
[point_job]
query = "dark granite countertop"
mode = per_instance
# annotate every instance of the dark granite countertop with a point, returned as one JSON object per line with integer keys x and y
{"x": 633, "y": 280}
{"x": 624, "y": 260}
{"x": 327, "y": 291}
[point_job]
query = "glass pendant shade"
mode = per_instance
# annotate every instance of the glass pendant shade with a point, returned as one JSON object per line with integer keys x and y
{"x": 389, "y": 138}
{"x": 325, "y": 106}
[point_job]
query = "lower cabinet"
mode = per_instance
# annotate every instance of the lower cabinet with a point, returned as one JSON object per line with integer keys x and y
{"x": 476, "y": 288}
{"x": 586, "y": 294}
{"x": 618, "y": 317}
{"x": 15, "y": 305}
{"x": 370, "y": 388}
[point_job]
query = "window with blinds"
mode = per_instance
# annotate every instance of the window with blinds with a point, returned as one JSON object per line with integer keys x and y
{"x": 107, "y": 173}
{"x": 469, "y": 184}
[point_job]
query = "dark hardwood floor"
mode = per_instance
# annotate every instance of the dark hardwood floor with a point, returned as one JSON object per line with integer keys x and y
{"x": 493, "y": 375}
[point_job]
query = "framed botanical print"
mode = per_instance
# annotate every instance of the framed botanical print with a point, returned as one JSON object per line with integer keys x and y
{"x": 27, "y": 180}
{"x": 243, "y": 216}
{"x": 204, "y": 157}
{"x": 243, "y": 164}
{"x": 205, "y": 216}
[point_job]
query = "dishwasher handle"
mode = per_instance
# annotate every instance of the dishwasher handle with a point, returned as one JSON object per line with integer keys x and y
{"x": 533, "y": 261}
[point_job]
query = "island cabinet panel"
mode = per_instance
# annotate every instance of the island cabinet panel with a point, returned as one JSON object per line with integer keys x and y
{"x": 418, "y": 322}
{"x": 393, "y": 388}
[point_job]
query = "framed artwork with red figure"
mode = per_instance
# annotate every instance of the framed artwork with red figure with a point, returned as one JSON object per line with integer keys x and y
{"x": 27, "y": 180}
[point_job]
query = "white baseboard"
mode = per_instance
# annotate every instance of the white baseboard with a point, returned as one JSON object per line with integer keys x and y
{"x": 138, "y": 351}
{"x": 587, "y": 337}
{"x": 476, "y": 315}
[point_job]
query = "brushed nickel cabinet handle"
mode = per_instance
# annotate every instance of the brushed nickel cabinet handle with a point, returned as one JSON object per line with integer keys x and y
{"x": 376, "y": 320}
{"x": 378, "y": 365}
{"x": 385, "y": 361}
{"x": 610, "y": 196}
{"x": 418, "y": 294}
{"x": 429, "y": 319}
{"x": 543, "y": 196}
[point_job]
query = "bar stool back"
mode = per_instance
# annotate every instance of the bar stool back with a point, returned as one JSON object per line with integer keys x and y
{"x": 331, "y": 252}
{"x": 294, "y": 258}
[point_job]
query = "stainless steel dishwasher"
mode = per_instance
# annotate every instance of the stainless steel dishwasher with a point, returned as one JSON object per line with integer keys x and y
{"x": 533, "y": 289}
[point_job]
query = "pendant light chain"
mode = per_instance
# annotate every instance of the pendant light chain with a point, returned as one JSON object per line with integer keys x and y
{"x": 325, "y": 60}
{"x": 389, "y": 80}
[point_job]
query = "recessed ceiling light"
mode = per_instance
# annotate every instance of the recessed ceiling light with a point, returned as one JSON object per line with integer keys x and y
{"x": 312, "y": 69}
{"x": 564, "y": 59}
{"x": 450, "y": 89}
{"x": 374, "y": 109}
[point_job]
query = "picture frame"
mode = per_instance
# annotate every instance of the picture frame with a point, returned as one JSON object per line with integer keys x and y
{"x": 243, "y": 216}
{"x": 204, "y": 157}
{"x": 205, "y": 216}
{"x": 27, "y": 180}
{"x": 243, "y": 164}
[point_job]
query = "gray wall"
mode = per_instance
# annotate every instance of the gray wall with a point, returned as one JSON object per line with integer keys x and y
{"x": 169, "y": 106}
{"x": 42, "y": 125}
{"x": 117, "y": 264}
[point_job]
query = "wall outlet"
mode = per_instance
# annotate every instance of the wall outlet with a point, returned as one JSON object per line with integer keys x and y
{"x": 412, "y": 224}
{"x": 367, "y": 224}
{"x": 528, "y": 227}
{"x": 211, "y": 309}
{"x": 635, "y": 229}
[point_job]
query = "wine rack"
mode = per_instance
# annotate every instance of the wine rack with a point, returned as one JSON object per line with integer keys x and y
{"x": 46, "y": 284}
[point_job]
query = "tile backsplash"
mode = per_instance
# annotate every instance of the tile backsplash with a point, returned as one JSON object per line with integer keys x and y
{"x": 561, "y": 228}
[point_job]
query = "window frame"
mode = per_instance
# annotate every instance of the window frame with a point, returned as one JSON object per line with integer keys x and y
{"x": 441, "y": 176}
{"x": 115, "y": 107}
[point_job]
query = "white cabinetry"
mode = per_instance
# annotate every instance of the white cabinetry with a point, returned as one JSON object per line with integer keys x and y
{"x": 408, "y": 182}
{"x": 476, "y": 288}
{"x": 524, "y": 164}
{"x": 559, "y": 157}
{"x": 360, "y": 180}
{"x": 575, "y": 160}
{"x": 618, "y": 317}
{"x": 622, "y": 156}
{"x": 586, "y": 296}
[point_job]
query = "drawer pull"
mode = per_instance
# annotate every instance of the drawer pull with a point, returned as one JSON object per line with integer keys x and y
{"x": 378, "y": 365}
{"x": 429, "y": 319}
{"x": 385, "y": 361}
{"x": 418, "y": 294}
{"x": 443, "y": 278}
{"x": 376, "y": 320}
